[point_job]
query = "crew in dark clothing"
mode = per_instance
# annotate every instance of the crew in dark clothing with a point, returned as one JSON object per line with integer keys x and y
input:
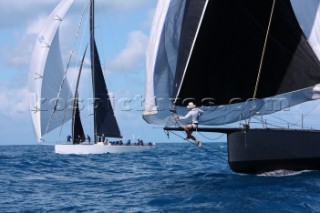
{"x": 89, "y": 139}
{"x": 69, "y": 139}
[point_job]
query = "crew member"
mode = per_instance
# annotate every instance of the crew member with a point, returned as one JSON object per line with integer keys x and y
{"x": 194, "y": 113}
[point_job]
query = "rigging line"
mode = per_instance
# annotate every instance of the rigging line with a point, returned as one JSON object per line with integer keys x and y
{"x": 186, "y": 138}
{"x": 264, "y": 49}
{"x": 287, "y": 122}
{"x": 177, "y": 124}
{"x": 213, "y": 139}
{"x": 67, "y": 68}
{"x": 313, "y": 108}
{"x": 262, "y": 122}
{"x": 191, "y": 50}
{"x": 222, "y": 134}
{"x": 70, "y": 93}
{"x": 205, "y": 149}
{"x": 196, "y": 145}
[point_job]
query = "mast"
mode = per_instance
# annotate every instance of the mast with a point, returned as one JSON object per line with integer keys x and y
{"x": 105, "y": 123}
{"x": 92, "y": 64}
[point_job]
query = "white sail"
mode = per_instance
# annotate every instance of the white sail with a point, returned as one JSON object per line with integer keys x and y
{"x": 308, "y": 15}
{"x": 46, "y": 76}
{"x": 152, "y": 50}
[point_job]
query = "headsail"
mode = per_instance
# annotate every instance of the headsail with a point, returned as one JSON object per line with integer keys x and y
{"x": 77, "y": 128}
{"x": 219, "y": 52}
{"x": 46, "y": 75}
{"x": 104, "y": 120}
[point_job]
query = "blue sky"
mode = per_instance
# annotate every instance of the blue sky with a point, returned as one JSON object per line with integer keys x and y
{"x": 122, "y": 31}
{"x": 126, "y": 26}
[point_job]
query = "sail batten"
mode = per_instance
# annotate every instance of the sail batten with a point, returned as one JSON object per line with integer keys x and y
{"x": 46, "y": 68}
{"x": 49, "y": 91}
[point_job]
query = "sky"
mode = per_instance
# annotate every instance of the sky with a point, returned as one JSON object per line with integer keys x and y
{"x": 122, "y": 32}
{"x": 122, "y": 35}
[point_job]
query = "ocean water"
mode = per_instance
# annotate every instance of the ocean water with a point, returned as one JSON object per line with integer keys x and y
{"x": 175, "y": 177}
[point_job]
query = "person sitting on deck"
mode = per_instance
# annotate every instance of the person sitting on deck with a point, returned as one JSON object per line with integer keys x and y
{"x": 69, "y": 139}
{"x": 194, "y": 113}
{"x": 89, "y": 139}
{"x": 128, "y": 142}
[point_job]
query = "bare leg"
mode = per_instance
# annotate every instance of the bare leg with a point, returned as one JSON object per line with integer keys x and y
{"x": 188, "y": 132}
{"x": 189, "y": 135}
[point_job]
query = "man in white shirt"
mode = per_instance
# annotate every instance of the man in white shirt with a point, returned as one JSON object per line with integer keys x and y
{"x": 194, "y": 113}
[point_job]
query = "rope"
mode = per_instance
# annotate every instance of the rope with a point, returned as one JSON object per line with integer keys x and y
{"x": 213, "y": 139}
{"x": 66, "y": 70}
{"x": 262, "y": 55}
{"x": 309, "y": 112}
{"x": 264, "y": 50}
{"x": 176, "y": 122}
{"x": 205, "y": 149}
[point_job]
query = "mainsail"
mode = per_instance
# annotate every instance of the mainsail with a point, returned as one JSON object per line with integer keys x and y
{"x": 105, "y": 122}
{"x": 46, "y": 77}
{"x": 210, "y": 52}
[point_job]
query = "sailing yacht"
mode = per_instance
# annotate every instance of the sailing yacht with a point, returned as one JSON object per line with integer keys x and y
{"x": 239, "y": 60}
{"x": 50, "y": 91}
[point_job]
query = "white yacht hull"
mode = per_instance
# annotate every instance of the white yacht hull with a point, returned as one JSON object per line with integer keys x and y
{"x": 100, "y": 148}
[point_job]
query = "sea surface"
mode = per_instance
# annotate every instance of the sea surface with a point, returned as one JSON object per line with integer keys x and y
{"x": 174, "y": 177}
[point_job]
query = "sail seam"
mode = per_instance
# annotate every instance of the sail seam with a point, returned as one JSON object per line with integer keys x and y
{"x": 191, "y": 51}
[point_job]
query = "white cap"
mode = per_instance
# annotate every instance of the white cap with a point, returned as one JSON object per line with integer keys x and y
{"x": 191, "y": 105}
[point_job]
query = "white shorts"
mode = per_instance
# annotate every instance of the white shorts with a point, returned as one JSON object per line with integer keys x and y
{"x": 192, "y": 126}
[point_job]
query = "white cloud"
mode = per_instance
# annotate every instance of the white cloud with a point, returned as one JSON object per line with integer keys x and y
{"x": 19, "y": 55}
{"x": 132, "y": 55}
{"x": 35, "y": 26}
{"x": 17, "y": 13}
{"x": 13, "y": 101}
{"x": 21, "y": 21}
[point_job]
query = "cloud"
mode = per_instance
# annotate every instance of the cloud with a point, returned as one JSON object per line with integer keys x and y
{"x": 21, "y": 21}
{"x": 13, "y": 101}
{"x": 35, "y": 26}
{"x": 17, "y": 13}
{"x": 19, "y": 56}
{"x": 28, "y": 10}
{"x": 132, "y": 55}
